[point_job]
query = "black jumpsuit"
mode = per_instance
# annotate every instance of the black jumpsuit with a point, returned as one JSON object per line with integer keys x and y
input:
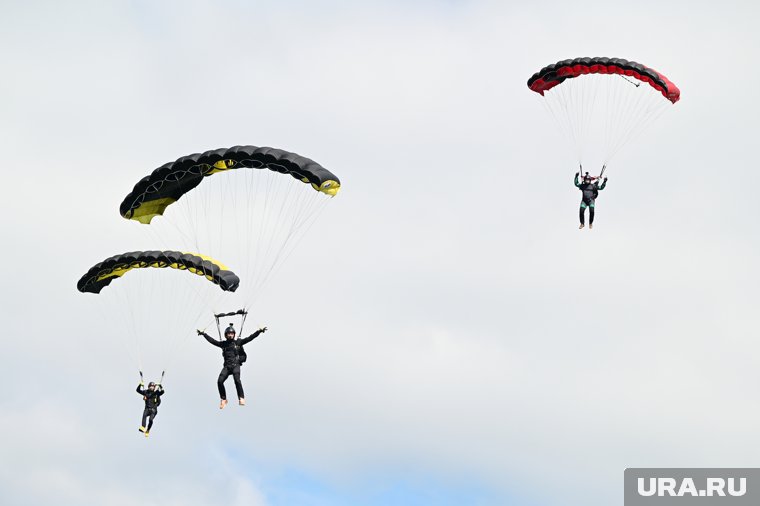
{"x": 590, "y": 192}
{"x": 152, "y": 399}
{"x": 232, "y": 362}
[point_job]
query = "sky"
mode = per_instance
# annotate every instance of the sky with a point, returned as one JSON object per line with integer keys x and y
{"x": 446, "y": 334}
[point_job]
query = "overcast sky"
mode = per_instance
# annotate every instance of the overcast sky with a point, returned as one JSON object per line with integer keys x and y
{"x": 463, "y": 342}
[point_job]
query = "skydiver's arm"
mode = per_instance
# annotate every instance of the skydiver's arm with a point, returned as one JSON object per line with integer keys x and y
{"x": 604, "y": 183}
{"x": 212, "y": 340}
{"x": 253, "y": 336}
{"x": 577, "y": 183}
{"x": 160, "y": 391}
{"x": 140, "y": 389}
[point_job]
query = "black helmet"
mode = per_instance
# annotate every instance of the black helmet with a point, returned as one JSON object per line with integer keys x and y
{"x": 229, "y": 330}
{"x": 151, "y": 385}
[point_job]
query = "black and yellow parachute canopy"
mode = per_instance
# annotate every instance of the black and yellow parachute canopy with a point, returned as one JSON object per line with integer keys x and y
{"x": 101, "y": 274}
{"x": 165, "y": 185}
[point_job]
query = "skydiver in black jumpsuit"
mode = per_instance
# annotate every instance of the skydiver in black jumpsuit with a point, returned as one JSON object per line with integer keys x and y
{"x": 152, "y": 398}
{"x": 234, "y": 356}
{"x": 590, "y": 188}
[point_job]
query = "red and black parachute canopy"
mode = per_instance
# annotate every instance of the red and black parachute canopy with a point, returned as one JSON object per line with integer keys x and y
{"x": 554, "y": 74}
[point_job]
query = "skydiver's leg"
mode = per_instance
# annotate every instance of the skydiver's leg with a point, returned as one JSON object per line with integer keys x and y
{"x": 238, "y": 383}
{"x": 144, "y": 418}
{"x": 152, "y": 415}
{"x": 591, "y": 214}
{"x": 220, "y": 382}
{"x": 582, "y": 214}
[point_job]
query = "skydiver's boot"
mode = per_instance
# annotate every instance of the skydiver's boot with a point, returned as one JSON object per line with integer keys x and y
{"x": 590, "y": 226}
{"x": 241, "y": 401}
{"x": 581, "y": 226}
{"x": 142, "y": 428}
{"x": 147, "y": 433}
{"x": 223, "y": 404}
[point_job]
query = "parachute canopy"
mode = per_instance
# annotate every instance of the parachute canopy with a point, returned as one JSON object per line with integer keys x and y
{"x": 103, "y": 273}
{"x": 165, "y": 185}
{"x": 554, "y": 74}
{"x": 251, "y": 218}
{"x": 602, "y": 103}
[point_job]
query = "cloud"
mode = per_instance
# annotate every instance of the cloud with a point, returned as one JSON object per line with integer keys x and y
{"x": 466, "y": 328}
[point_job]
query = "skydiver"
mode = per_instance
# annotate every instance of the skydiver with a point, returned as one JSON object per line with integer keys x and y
{"x": 234, "y": 356}
{"x": 590, "y": 188}
{"x": 152, "y": 398}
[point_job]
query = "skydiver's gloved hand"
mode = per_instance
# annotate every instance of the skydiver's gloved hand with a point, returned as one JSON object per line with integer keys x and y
{"x": 263, "y": 329}
{"x": 577, "y": 174}
{"x": 200, "y": 332}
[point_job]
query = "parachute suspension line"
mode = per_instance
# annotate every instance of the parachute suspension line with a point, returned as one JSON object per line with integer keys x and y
{"x": 301, "y": 210}
{"x": 313, "y": 216}
{"x": 264, "y": 241}
{"x": 107, "y": 316}
{"x": 613, "y": 113}
{"x": 637, "y": 111}
{"x": 555, "y": 101}
{"x": 181, "y": 335}
{"x": 242, "y": 322}
{"x": 287, "y": 215}
{"x": 602, "y": 113}
{"x": 268, "y": 227}
{"x": 573, "y": 107}
{"x": 131, "y": 322}
{"x": 591, "y": 109}
{"x": 169, "y": 309}
{"x": 250, "y": 187}
{"x": 640, "y": 126}
{"x": 632, "y": 114}
{"x": 257, "y": 214}
{"x": 624, "y": 110}
{"x": 557, "y": 120}
{"x": 191, "y": 213}
{"x": 629, "y": 115}
{"x": 193, "y": 307}
{"x": 568, "y": 101}
{"x": 278, "y": 216}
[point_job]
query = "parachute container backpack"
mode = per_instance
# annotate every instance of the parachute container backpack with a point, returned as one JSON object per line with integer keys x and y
{"x": 247, "y": 205}
{"x": 151, "y": 300}
{"x": 601, "y": 103}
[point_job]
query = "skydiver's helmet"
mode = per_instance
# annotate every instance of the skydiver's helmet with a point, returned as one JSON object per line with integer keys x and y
{"x": 229, "y": 332}
{"x": 151, "y": 385}
{"x": 587, "y": 179}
